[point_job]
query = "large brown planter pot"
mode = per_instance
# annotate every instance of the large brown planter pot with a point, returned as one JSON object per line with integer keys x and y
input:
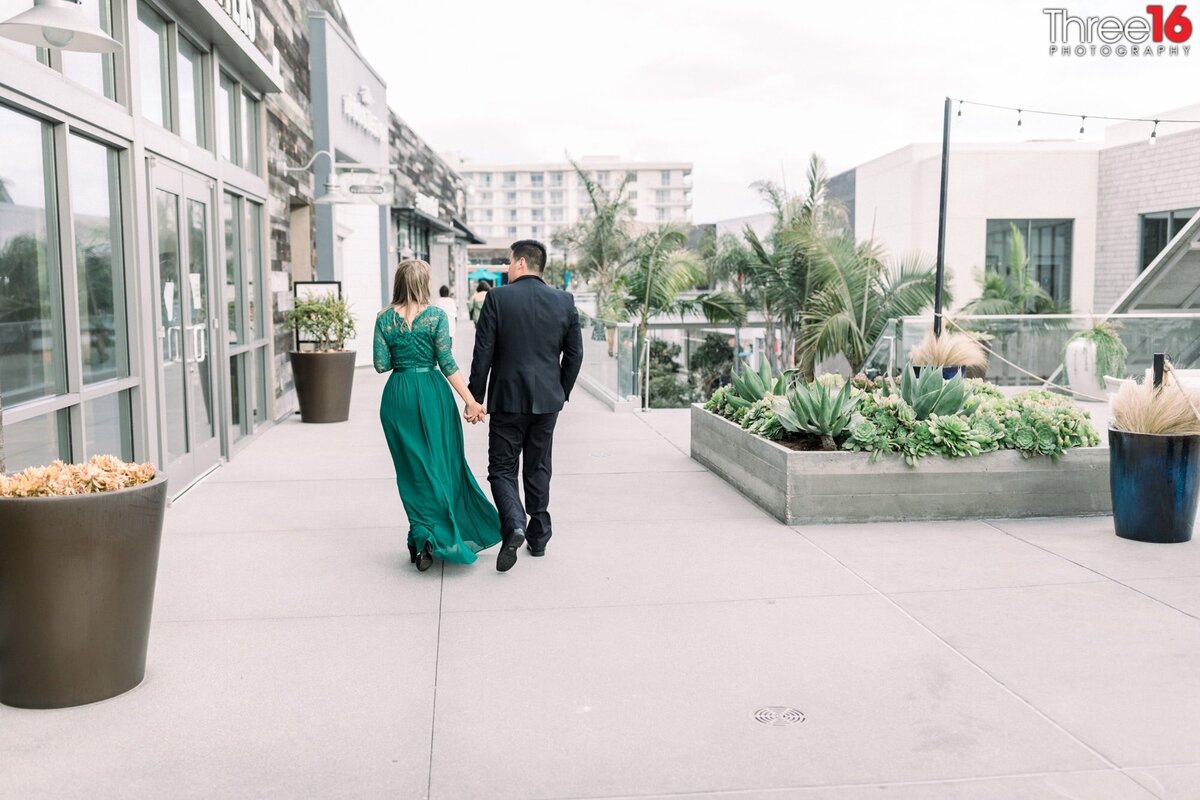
{"x": 323, "y": 385}
{"x": 77, "y": 578}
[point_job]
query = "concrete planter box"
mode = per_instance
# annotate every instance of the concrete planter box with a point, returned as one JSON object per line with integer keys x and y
{"x": 813, "y": 487}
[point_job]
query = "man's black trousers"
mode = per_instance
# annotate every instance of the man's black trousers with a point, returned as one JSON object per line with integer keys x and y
{"x": 511, "y": 437}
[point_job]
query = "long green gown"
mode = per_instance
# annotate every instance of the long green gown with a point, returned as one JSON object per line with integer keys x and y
{"x": 421, "y": 421}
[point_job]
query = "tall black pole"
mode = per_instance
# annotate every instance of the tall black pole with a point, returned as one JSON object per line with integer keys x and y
{"x": 939, "y": 290}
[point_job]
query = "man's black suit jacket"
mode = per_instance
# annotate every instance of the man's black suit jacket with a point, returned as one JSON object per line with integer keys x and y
{"x": 528, "y": 339}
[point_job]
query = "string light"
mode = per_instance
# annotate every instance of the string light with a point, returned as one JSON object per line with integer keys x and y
{"x": 1083, "y": 118}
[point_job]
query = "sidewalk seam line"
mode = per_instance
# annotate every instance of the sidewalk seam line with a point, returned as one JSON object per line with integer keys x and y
{"x": 437, "y": 655}
{"x": 981, "y": 669}
{"x": 1109, "y": 578}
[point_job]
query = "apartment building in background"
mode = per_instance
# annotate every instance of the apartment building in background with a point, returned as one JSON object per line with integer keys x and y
{"x": 1094, "y": 215}
{"x": 506, "y": 202}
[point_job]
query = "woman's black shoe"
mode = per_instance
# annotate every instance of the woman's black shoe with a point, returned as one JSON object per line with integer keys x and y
{"x": 425, "y": 558}
{"x": 412, "y": 554}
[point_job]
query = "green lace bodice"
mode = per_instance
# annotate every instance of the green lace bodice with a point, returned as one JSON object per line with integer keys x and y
{"x": 427, "y": 342}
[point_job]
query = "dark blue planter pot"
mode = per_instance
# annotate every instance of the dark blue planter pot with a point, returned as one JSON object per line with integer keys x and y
{"x": 1154, "y": 481}
{"x": 947, "y": 372}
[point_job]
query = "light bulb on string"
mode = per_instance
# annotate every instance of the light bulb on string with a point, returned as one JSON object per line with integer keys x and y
{"x": 960, "y": 108}
{"x": 1018, "y": 117}
{"x": 1082, "y": 123}
{"x": 1154, "y": 133}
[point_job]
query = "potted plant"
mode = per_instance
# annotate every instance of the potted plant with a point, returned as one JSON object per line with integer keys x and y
{"x": 1154, "y": 462}
{"x": 1093, "y": 354}
{"x": 78, "y": 561}
{"x": 955, "y": 353}
{"x": 324, "y": 375}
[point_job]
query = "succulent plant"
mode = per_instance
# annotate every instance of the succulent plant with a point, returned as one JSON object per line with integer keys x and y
{"x": 818, "y": 410}
{"x": 753, "y": 386}
{"x": 932, "y": 394}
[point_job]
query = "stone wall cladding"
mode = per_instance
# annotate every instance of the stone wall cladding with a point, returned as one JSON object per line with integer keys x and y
{"x": 422, "y": 170}
{"x": 1139, "y": 179}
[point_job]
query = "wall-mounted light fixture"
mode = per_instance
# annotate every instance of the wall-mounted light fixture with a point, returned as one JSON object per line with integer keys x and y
{"x": 61, "y": 25}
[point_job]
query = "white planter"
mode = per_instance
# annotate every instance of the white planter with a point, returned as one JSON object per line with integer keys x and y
{"x": 1082, "y": 375}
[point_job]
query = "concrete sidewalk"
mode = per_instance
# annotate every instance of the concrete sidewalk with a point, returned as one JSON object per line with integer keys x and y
{"x": 296, "y": 653}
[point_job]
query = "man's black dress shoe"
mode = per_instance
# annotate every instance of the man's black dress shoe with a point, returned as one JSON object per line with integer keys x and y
{"x": 536, "y": 552}
{"x": 508, "y": 551}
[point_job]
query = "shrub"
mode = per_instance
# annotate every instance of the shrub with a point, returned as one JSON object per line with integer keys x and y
{"x": 100, "y": 474}
{"x": 326, "y": 319}
{"x": 1111, "y": 352}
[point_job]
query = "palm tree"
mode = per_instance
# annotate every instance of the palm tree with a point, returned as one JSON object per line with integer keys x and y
{"x": 662, "y": 270}
{"x": 1015, "y": 291}
{"x": 854, "y": 295}
{"x": 780, "y": 276}
{"x": 602, "y": 242}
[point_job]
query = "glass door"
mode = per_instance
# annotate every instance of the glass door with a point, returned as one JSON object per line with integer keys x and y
{"x": 182, "y": 245}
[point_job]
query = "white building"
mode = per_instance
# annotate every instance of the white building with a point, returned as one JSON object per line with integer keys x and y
{"x": 533, "y": 201}
{"x": 1093, "y": 215}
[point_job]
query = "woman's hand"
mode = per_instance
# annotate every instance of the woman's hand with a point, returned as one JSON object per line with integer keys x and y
{"x": 474, "y": 412}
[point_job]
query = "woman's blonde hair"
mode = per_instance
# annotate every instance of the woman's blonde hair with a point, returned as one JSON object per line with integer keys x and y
{"x": 412, "y": 283}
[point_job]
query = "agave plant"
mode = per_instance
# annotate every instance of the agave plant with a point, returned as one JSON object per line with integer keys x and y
{"x": 817, "y": 409}
{"x": 933, "y": 394}
{"x": 749, "y": 387}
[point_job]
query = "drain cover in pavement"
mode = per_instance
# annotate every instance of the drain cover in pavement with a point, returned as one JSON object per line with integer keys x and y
{"x": 778, "y": 716}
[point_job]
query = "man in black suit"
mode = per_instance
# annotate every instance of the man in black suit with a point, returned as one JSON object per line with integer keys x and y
{"x": 528, "y": 339}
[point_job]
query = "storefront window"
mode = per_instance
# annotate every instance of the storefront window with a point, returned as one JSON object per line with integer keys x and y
{"x": 227, "y": 113}
{"x": 108, "y": 426}
{"x": 96, "y": 71}
{"x": 99, "y": 258}
{"x": 38, "y": 441}
{"x": 155, "y": 59}
{"x": 191, "y": 93}
{"x": 250, "y": 157}
{"x": 31, "y": 325}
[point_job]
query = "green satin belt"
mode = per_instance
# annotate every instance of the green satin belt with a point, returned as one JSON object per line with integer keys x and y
{"x": 413, "y": 369}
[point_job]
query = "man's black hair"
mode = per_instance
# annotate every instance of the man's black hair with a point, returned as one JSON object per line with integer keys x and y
{"x": 534, "y": 253}
{"x": 444, "y": 291}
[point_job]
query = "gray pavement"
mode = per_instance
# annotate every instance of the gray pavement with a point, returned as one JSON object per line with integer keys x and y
{"x": 296, "y": 653}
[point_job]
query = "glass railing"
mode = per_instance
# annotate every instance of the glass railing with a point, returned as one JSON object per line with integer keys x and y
{"x": 608, "y": 358}
{"x": 688, "y": 360}
{"x": 1029, "y": 350}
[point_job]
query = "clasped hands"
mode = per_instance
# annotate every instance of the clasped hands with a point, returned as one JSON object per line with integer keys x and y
{"x": 474, "y": 413}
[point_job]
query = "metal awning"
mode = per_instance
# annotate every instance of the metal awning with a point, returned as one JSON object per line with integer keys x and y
{"x": 434, "y": 222}
{"x": 466, "y": 234}
{"x": 1172, "y": 281}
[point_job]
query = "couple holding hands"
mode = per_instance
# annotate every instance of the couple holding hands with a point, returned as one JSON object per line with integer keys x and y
{"x": 528, "y": 353}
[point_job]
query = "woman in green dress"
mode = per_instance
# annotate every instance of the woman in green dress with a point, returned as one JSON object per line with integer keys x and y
{"x": 448, "y": 516}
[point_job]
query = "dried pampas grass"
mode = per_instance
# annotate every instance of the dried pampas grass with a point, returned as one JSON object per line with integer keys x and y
{"x": 949, "y": 350}
{"x": 1140, "y": 408}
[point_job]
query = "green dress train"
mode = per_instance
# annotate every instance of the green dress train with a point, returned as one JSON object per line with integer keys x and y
{"x": 421, "y": 421}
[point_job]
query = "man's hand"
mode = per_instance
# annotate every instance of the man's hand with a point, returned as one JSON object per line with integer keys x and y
{"x": 474, "y": 413}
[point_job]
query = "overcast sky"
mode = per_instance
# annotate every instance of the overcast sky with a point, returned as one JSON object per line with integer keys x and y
{"x": 746, "y": 89}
